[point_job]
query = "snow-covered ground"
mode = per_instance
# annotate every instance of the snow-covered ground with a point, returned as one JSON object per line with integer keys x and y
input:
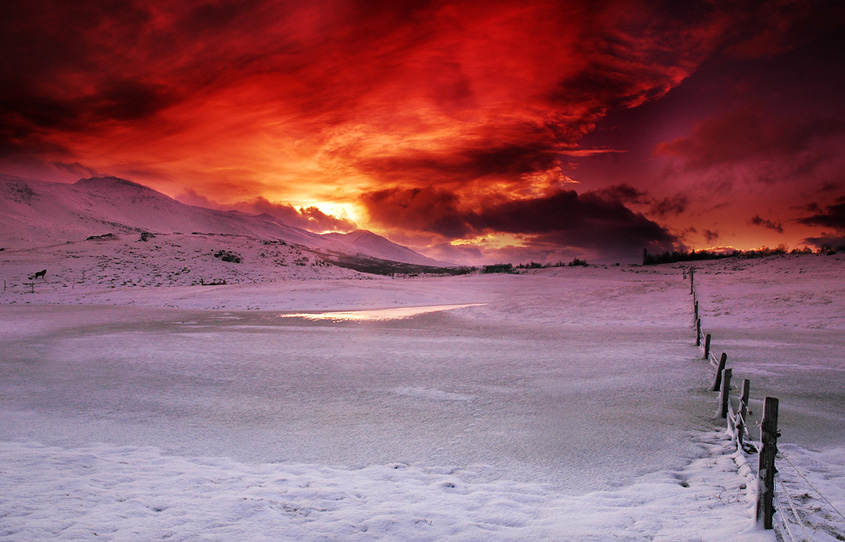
{"x": 564, "y": 404}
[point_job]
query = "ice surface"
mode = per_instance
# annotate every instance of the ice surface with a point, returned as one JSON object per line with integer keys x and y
{"x": 375, "y": 314}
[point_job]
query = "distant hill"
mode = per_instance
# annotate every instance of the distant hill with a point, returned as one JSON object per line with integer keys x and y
{"x": 39, "y": 213}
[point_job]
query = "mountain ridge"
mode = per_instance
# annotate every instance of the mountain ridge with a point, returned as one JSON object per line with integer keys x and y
{"x": 36, "y": 212}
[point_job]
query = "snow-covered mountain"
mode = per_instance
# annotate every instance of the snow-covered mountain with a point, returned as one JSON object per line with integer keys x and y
{"x": 38, "y": 213}
{"x": 367, "y": 242}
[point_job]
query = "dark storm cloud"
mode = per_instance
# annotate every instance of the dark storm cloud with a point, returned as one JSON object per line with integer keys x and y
{"x": 826, "y": 242}
{"x": 591, "y": 220}
{"x": 833, "y": 216}
{"x": 770, "y": 224}
{"x": 711, "y": 236}
{"x": 426, "y": 209}
{"x": 463, "y": 165}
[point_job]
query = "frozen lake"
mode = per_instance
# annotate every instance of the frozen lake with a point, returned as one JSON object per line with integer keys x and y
{"x": 583, "y": 406}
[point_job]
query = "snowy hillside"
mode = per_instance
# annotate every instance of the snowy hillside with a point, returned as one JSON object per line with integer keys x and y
{"x": 366, "y": 242}
{"x": 158, "y": 260}
{"x": 36, "y": 214}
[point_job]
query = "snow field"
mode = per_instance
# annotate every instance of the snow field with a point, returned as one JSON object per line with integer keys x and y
{"x": 563, "y": 405}
{"x": 103, "y": 492}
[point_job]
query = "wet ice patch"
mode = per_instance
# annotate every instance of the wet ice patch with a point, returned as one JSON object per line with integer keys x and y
{"x": 396, "y": 313}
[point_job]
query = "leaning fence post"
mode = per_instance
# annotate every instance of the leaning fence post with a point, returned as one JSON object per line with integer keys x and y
{"x": 698, "y": 332}
{"x": 717, "y": 385}
{"x": 743, "y": 410}
{"x": 707, "y": 347}
{"x": 766, "y": 472}
{"x": 725, "y": 394}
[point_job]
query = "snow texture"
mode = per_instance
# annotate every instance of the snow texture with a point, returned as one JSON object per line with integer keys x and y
{"x": 562, "y": 404}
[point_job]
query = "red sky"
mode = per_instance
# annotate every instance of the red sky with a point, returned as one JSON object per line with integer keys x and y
{"x": 471, "y": 131}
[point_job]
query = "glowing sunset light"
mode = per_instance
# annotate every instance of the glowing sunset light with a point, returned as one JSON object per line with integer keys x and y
{"x": 470, "y": 131}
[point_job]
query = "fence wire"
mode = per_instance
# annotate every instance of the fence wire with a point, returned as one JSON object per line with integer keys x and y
{"x": 783, "y": 456}
{"x": 783, "y": 491}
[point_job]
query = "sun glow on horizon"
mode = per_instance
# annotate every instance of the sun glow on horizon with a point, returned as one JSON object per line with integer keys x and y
{"x": 343, "y": 211}
{"x": 492, "y": 241}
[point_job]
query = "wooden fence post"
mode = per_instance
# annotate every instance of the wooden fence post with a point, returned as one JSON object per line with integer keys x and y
{"x": 707, "y": 347}
{"x": 695, "y": 312}
{"x": 725, "y": 394}
{"x": 766, "y": 472}
{"x": 743, "y": 411}
{"x": 717, "y": 385}
{"x": 698, "y": 332}
{"x": 692, "y": 280}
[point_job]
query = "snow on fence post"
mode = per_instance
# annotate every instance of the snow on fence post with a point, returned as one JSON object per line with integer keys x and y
{"x": 766, "y": 472}
{"x": 698, "y": 332}
{"x": 692, "y": 280}
{"x": 743, "y": 410}
{"x": 707, "y": 347}
{"x": 695, "y": 312}
{"x": 725, "y": 394}
{"x": 717, "y": 385}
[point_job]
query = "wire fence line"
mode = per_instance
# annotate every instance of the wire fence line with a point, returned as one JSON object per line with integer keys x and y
{"x": 765, "y": 447}
{"x": 792, "y": 517}
{"x": 783, "y": 456}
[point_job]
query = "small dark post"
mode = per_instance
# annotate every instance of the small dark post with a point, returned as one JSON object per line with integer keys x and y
{"x": 725, "y": 394}
{"x": 698, "y": 332}
{"x": 692, "y": 280}
{"x": 717, "y": 385}
{"x": 695, "y": 313}
{"x": 707, "y": 347}
{"x": 722, "y": 361}
{"x": 766, "y": 473}
{"x": 743, "y": 410}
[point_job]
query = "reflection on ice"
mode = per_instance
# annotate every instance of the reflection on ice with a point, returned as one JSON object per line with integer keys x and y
{"x": 376, "y": 314}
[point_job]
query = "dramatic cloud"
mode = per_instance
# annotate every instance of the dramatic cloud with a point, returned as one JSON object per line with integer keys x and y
{"x": 461, "y": 114}
{"x": 593, "y": 220}
{"x": 483, "y": 88}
